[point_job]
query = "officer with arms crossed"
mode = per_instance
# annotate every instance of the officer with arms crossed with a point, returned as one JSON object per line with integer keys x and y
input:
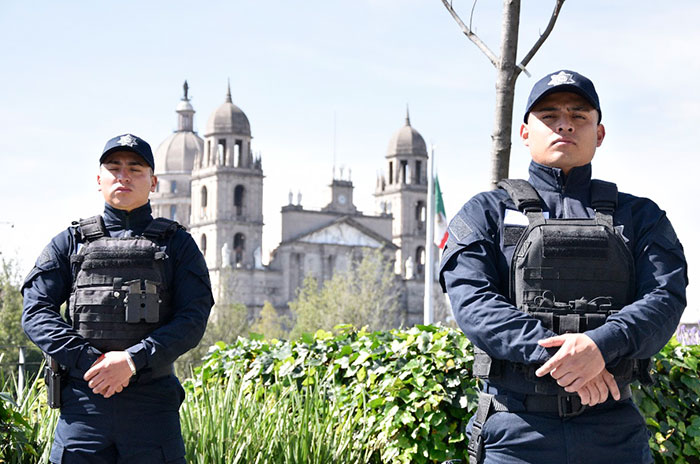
{"x": 139, "y": 296}
{"x": 566, "y": 288}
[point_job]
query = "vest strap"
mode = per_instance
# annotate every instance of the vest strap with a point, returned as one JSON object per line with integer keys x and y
{"x": 523, "y": 194}
{"x": 603, "y": 196}
{"x": 160, "y": 229}
{"x": 92, "y": 228}
{"x": 488, "y": 404}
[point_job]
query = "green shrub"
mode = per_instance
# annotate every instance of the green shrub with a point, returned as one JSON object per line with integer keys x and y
{"x": 672, "y": 405}
{"x": 414, "y": 385}
{"x": 26, "y": 423}
{"x": 418, "y": 390}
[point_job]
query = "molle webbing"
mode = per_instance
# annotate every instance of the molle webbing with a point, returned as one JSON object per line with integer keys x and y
{"x": 120, "y": 293}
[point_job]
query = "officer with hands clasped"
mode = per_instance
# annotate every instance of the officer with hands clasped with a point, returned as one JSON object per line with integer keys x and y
{"x": 139, "y": 296}
{"x": 566, "y": 288}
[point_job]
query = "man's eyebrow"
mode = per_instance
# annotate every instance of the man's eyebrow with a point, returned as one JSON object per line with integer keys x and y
{"x": 545, "y": 108}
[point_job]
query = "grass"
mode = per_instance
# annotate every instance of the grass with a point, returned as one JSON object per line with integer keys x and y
{"x": 240, "y": 422}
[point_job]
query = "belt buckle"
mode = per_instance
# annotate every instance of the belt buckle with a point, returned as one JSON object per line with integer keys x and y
{"x": 567, "y": 407}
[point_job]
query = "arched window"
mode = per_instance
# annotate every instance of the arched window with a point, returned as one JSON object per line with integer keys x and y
{"x": 207, "y": 155}
{"x": 204, "y": 196}
{"x": 238, "y": 248}
{"x": 238, "y": 195}
{"x": 221, "y": 152}
{"x": 420, "y": 260}
{"x": 237, "y": 154}
{"x": 420, "y": 214}
{"x": 203, "y": 244}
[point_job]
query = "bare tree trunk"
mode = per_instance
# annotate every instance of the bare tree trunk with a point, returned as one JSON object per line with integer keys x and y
{"x": 507, "y": 72}
{"x": 505, "y": 92}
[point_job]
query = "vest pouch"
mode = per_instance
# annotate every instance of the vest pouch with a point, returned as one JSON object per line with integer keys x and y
{"x": 142, "y": 302}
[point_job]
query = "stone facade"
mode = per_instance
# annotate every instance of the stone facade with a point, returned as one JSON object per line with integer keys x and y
{"x": 214, "y": 186}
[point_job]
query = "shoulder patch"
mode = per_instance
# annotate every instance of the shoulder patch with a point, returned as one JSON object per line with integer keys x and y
{"x": 45, "y": 257}
{"x": 459, "y": 229}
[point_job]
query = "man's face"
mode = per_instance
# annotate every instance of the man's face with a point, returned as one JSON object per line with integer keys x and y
{"x": 125, "y": 180}
{"x": 562, "y": 131}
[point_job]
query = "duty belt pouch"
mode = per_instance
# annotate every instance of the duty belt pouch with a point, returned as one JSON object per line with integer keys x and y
{"x": 53, "y": 374}
{"x": 142, "y": 302}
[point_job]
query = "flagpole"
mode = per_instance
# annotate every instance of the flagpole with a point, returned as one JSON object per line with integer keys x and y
{"x": 428, "y": 316}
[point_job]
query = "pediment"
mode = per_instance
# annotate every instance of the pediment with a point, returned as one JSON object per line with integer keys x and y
{"x": 341, "y": 234}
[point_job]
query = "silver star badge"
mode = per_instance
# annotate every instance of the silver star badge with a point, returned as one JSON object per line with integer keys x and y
{"x": 561, "y": 78}
{"x": 127, "y": 140}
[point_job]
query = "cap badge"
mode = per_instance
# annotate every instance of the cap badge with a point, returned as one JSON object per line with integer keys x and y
{"x": 561, "y": 78}
{"x": 127, "y": 141}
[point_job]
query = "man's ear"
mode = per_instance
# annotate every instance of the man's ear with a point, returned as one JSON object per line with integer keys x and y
{"x": 601, "y": 134}
{"x": 525, "y": 134}
{"x": 154, "y": 183}
{"x": 99, "y": 183}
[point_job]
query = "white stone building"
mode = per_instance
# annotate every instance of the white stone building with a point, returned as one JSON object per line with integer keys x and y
{"x": 214, "y": 187}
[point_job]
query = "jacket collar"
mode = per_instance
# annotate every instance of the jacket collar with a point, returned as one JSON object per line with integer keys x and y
{"x": 136, "y": 219}
{"x": 551, "y": 179}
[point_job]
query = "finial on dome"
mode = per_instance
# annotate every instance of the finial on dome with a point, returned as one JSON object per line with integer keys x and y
{"x": 408, "y": 119}
{"x": 228, "y": 92}
{"x": 185, "y": 88}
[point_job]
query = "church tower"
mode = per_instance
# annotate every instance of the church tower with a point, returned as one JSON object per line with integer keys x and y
{"x": 227, "y": 189}
{"x": 402, "y": 191}
{"x": 174, "y": 160}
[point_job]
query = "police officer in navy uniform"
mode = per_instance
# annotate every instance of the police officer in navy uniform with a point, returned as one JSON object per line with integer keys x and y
{"x": 566, "y": 288}
{"x": 139, "y": 296}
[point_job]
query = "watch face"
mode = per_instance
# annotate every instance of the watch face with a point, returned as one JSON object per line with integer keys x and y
{"x": 341, "y": 199}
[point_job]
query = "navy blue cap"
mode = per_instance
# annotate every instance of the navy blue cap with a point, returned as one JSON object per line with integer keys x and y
{"x": 563, "y": 81}
{"x": 129, "y": 142}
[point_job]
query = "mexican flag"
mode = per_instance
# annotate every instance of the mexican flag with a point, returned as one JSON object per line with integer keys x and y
{"x": 440, "y": 218}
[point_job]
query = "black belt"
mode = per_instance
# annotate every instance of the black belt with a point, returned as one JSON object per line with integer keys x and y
{"x": 564, "y": 405}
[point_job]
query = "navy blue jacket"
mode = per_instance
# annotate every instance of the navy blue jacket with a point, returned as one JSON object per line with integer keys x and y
{"x": 475, "y": 272}
{"x": 49, "y": 284}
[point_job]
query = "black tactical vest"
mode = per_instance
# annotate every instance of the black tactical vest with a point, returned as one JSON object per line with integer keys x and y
{"x": 571, "y": 274}
{"x": 120, "y": 293}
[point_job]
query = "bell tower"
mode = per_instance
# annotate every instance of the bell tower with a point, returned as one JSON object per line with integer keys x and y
{"x": 227, "y": 189}
{"x": 402, "y": 190}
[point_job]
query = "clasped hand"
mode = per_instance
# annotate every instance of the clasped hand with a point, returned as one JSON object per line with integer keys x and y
{"x": 110, "y": 374}
{"x": 579, "y": 367}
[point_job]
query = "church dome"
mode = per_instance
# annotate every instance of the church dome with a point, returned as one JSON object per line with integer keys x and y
{"x": 407, "y": 141}
{"x": 228, "y": 119}
{"x": 177, "y": 153}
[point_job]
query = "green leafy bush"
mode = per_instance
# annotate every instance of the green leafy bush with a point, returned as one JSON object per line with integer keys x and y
{"x": 26, "y": 424}
{"x": 672, "y": 405}
{"x": 417, "y": 388}
{"x": 414, "y": 385}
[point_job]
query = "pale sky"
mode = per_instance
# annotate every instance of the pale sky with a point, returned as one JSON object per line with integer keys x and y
{"x": 73, "y": 74}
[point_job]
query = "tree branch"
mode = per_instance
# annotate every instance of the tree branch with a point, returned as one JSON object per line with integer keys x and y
{"x": 543, "y": 37}
{"x": 473, "y": 37}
